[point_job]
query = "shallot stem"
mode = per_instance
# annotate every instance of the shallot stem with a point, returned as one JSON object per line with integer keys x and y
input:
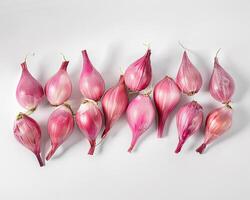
{"x": 39, "y": 159}
{"x": 63, "y": 56}
{"x": 201, "y": 148}
{"x": 186, "y": 49}
{"x": 30, "y": 54}
{"x": 218, "y": 51}
{"x": 30, "y": 111}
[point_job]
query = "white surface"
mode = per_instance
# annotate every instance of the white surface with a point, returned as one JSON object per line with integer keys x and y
{"x": 113, "y": 32}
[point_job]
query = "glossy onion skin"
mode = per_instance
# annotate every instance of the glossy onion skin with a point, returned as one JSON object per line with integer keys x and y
{"x": 29, "y": 92}
{"x": 140, "y": 116}
{"x": 89, "y": 121}
{"x": 221, "y": 84}
{"x": 189, "y": 120}
{"x": 91, "y": 83}
{"x": 114, "y": 104}
{"x": 58, "y": 89}
{"x": 139, "y": 74}
{"x": 27, "y": 131}
{"x": 166, "y": 96}
{"x": 60, "y": 126}
{"x": 188, "y": 77}
{"x": 217, "y": 123}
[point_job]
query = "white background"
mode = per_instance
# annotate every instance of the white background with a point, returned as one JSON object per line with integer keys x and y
{"x": 113, "y": 32}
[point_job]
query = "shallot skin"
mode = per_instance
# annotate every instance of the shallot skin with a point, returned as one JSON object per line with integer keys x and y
{"x": 166, "y": 96}
{"x": 29, "y": 92}
{"x": 217, "y": 123}
{"x": 89, "y": 121}
{"x": 189, "y": 120}
{"x": 140, "y": 116}
{"x": 114, "y": 104}
{"x": 221, "y": 84}
{"x": 188, "y": 77}
{"x": 58, "y": 89}
{"x": 60, "y": 126}
{"x": 91, "y": 83}
{"x": 28, "y": 133}
{"x": 139, "y": 74}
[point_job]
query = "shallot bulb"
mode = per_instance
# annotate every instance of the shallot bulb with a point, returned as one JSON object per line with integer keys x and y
{"x": 217, "y": 123}
{"x": 60, "y": 126}
{"x": 114, "y": 104}
{"x": 221, "y": 84}
{"x": 58, "y": 89}
{"x": 92, "y": 85}
{"x": 29, "y": 92}
{"x": 189, "y": 120}
{"x": 188, "y": 78}
{"x": 89, "y": 120}
{"x": 140, "y": 116}
{"x": 28, "y": 133}
{"x": 166, "y": 96}
{"x": 139, "y": 74}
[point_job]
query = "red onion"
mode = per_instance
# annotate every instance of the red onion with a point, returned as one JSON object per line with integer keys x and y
{"x": 58, "y": 89}
{"x": 89, "y": 120}
{"x": 217, "y": 123}
{"x": 140, "y": 116}
{"x": 114, "y": 104}
{"x": 29, "y": 91}
{"x": 139, "y": 74}
{"x": 221, "y": 84}
{"x": 92, "y": 85}
{"x": 166, "y": 97}
{"x": 28, "y": 133}
{"x": 189, "y": 120}
{"x": 60, "y": 126}
{"x": 188, "y": 78}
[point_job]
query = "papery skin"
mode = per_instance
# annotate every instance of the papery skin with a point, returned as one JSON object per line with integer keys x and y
{"x": 166, "y": 96}
{"x": 89, "y": 120}
{"x": 140, "y": 116}
{"x": 189, "y": 120}
{"x": 58, "y": 89}
{"x": 60, "y": 126}
{"x": 221, "y": 84}
{"x": 114, "y": 104}
{"x": 28, "y": 133}
{"x": 188, "y": 77}
{"x": 217, "y": 123}
{"x": 29, "y": 92}
{"x": 139, "y": 74}
{"x": 91, "y": 83}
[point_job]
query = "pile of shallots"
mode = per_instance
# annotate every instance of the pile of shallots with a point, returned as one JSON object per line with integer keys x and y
{"x": 116, "y": 101}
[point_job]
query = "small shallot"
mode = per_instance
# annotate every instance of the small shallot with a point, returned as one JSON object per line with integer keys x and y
{"x": 92, "y": 85}
{"x": 188, "y": 78}
{"x": 139, "y": 74}
{"x": 140, "y": 116}
{"x": 58, "y": 89}
{"x": 60, "y": 126}
{"x": 28, "y": 133}
{"x": 217, "y": 123}
{"x": 189, "y": 120}
{"x": 89, "y": 120}
{"x": 166, "y": 96}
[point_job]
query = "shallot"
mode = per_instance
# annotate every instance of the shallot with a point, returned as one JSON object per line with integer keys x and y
{"x": 114, "y": 104}
{"x": 89, "y": 120}
{"x": 188, "y": 78}
{"x": 92, "y": 85}
{"x": 139, "y": 74}
{"x": 29, "y": 92}
{"x": 140, "y": 116}
{"x": 166, "y": 96}
{"x": 60, "y": 126}
{"x": 189, "y": 120}
{"x": 221, "y": 84}
{"x": 217, "y": 123}
{"x": 58, "y": 89}
{"x": 28, "y": 133}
